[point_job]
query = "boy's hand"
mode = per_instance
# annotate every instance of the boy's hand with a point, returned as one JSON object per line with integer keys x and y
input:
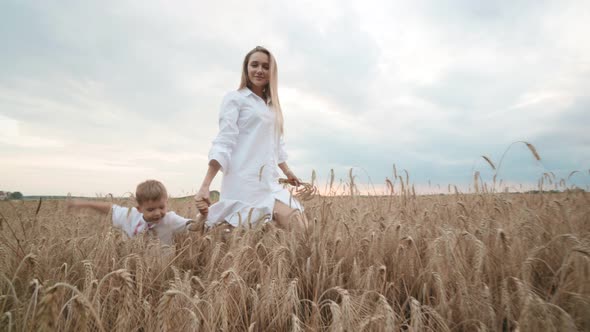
{"x": 197, "y": 225}
{"x": 202, "y": 200}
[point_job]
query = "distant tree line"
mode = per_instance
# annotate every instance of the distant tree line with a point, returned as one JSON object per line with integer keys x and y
{"x": 573, "y": 190}
{"x": 16, "y": 195}
{"x": 4, "y": 195}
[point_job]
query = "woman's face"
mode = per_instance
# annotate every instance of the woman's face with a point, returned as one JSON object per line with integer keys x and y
{"x": 258, "y": 69}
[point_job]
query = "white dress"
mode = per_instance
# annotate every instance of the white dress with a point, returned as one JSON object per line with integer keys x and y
{"x": 249, "y": 151}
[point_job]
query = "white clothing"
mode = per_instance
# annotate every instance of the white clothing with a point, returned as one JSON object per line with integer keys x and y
{"x": 132, "y": 223}
{"x": 249, "y": 150}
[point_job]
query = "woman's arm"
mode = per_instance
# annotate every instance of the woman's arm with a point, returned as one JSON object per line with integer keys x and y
{"x": 221, "y": 149}
{"x": 202, "y": 196}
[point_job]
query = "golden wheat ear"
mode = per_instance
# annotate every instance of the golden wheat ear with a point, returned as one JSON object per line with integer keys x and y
{"x": 533, "y": 151}
{"x": 489, "y": 161}
{"x": 304, "y": 192}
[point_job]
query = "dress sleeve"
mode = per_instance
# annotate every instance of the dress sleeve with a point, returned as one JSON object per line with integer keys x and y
{"x": 283, "y": 156}
{"x": 227, "y": 137}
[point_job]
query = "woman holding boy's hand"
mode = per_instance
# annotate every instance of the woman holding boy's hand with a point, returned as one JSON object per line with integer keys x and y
{"x": 249, "y": 150}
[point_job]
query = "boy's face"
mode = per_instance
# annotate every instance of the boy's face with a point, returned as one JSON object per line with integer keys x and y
{"x": 155, "y": 210}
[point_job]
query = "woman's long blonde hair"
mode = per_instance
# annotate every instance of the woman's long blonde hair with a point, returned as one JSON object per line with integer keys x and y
{"x": 271, "y": 91}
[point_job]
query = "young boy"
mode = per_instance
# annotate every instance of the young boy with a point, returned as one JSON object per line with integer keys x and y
{"x": 151, "y": 213}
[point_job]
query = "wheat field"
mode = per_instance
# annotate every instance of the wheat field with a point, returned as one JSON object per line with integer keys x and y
{"x": 458, "y": 262}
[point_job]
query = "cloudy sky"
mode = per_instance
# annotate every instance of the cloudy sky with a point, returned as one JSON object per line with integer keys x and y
{"x": 98, "y": 96}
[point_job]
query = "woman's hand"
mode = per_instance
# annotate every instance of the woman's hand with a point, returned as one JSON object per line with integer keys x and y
{"x": 202, "y": 200}
{"x": 293, "y": 180}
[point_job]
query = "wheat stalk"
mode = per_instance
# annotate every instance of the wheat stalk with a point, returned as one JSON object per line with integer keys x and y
{"x": 464, "y": 262}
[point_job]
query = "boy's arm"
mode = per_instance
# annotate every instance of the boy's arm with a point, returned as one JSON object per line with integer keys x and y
{"x": 181, "y": 224}
{"x": 197, "y": 224}
{"x": 102, "y": 207}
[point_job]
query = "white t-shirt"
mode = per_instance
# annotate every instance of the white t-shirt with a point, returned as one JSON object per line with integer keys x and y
{"x": 248, "y": 149}
{"x": 132, "y": 223}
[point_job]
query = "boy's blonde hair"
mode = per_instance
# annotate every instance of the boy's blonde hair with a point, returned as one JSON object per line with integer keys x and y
{"x": 150, "y": 190}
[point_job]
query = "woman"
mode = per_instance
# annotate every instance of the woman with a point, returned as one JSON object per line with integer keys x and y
{"x": 248, "y": 149}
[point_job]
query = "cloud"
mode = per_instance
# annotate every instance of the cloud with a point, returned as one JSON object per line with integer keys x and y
{"x": 90, "y": 92}
{"x": 328, "y": 56}
{"x": 10, "y": 135}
